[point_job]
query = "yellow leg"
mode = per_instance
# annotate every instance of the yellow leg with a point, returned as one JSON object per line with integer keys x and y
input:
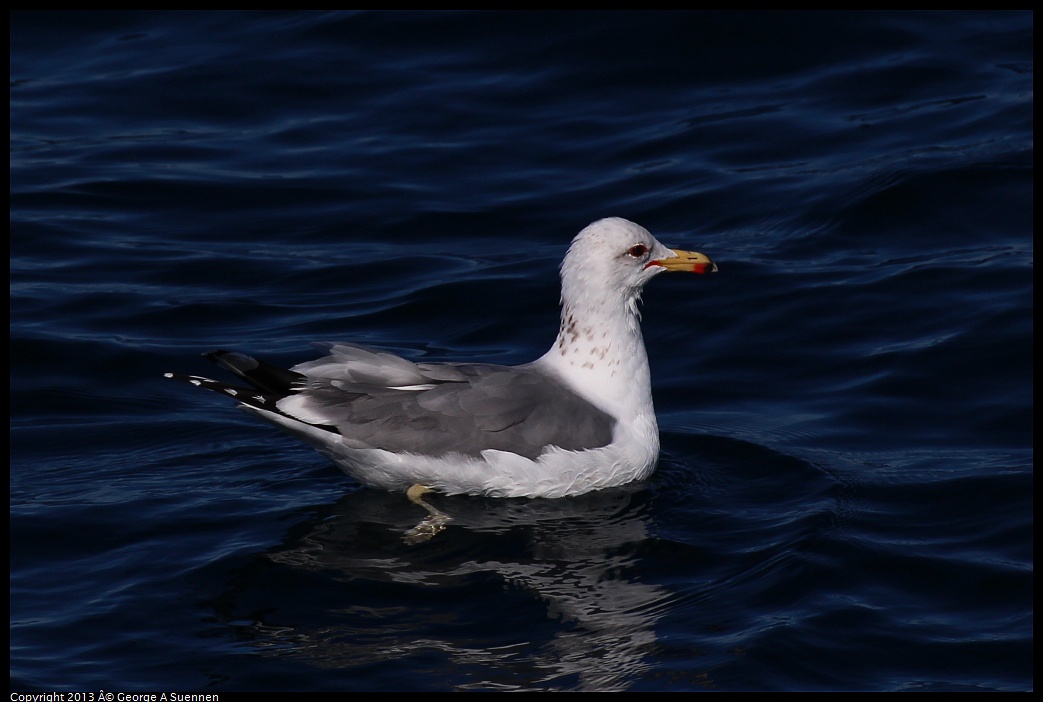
{"x": 432, "y": 524}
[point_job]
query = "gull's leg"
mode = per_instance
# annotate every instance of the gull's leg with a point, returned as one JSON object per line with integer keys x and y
{"x": 432, "y": 524}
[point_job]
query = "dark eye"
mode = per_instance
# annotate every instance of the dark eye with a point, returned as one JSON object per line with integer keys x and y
{"x": 638, "y": 250}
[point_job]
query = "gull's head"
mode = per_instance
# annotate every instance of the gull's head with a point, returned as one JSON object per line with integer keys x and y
{"x": 614, "y": 256}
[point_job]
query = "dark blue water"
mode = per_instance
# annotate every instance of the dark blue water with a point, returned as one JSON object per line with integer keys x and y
{"x": 844, "y": 500}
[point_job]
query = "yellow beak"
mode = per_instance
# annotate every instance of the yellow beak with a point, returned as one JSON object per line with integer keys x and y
{"x": 687, "y": 262}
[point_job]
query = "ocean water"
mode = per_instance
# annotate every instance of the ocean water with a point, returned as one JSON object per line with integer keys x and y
{"x": 844, "y": 497}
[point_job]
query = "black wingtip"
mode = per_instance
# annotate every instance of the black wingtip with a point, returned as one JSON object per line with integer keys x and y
{"x": 265, "y": 377}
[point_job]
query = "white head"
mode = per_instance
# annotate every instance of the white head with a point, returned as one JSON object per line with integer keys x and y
{"x": 610, "y": 261}
{"x": 599, "y": 350}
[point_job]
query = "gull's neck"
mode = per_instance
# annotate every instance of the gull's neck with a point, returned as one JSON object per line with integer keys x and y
{"x": 600, "y": 353}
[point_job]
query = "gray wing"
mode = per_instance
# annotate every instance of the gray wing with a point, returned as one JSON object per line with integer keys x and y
{"x": 379, "y": 400}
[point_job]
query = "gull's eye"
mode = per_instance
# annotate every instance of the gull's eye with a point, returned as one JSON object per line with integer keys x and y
{"x": 638, "y": 250}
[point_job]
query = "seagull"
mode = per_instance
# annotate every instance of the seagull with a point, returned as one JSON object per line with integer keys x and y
{"x": 577, "y": 419}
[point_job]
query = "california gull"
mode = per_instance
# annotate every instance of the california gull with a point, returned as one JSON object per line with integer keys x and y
{"x": 577, "y": 419}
